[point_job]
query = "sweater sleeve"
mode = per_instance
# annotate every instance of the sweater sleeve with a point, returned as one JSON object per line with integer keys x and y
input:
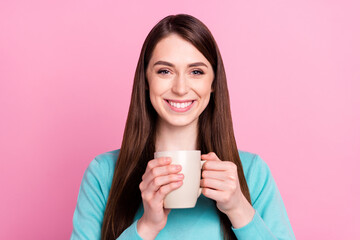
{"x": 91, "y": 203}
{"x": 270, "y": 220}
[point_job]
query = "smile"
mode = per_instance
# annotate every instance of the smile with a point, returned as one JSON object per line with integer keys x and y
{"x": 180, "y": 106}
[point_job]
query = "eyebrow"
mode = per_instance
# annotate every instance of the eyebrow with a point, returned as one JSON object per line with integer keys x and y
{"x": 195, "y": 64}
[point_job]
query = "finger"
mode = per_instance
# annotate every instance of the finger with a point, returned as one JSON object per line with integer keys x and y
{"x": 157, "y": 182}
{"x": 160, "y": 171}
{"x": 216, "y": 165}
{"x": 213, "y": 184}
{"x": 148, "y": 192}
{"x": 221, "y": 175}
{"x": 166, "y": 189}
{"x": 213, "y": 194}
{"x": 157, "y": 162}
{"x": 211, "y": 156}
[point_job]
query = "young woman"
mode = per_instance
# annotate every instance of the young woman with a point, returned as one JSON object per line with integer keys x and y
{"x": 179, "y": 101}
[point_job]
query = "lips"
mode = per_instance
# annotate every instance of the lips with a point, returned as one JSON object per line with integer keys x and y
{"x": 180, "y": 105}
{"x": 179, "y": 101}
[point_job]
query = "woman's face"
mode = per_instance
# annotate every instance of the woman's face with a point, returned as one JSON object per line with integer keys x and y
{"x": 180, "y": 80}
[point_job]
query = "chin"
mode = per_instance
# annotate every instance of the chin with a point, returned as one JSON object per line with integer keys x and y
{"x": 181, "y": 123}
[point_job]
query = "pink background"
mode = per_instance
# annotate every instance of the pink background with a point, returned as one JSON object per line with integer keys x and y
{"x": 66, "y": 72}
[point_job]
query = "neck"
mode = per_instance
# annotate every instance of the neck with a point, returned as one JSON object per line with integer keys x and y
{"x": 172, "y": 138}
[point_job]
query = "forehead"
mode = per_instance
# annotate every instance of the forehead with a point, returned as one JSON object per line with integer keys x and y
{"x": 174, "y": 48}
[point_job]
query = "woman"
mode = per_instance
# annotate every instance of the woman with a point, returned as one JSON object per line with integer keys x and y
{"x": 179, "y": 102}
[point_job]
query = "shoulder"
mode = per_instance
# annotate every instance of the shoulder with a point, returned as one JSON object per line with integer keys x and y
{"x": 252, "y": 163}
{"x": 100, "y": 172}
{"x": 93, "y": 195}
{"x": 257, "y": 173}
{"x": 105, "y": 162}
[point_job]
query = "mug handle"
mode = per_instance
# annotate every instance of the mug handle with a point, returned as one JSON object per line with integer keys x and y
{"x": 200, "y": 189}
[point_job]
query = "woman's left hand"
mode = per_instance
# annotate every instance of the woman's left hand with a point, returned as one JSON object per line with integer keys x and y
{"x": 221, "y": 183}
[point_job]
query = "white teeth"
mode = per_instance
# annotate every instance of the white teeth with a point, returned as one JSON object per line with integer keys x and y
{"x": 180, "y": 105}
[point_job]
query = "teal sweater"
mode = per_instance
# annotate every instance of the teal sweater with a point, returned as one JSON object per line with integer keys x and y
{"x": 202, "y": 222}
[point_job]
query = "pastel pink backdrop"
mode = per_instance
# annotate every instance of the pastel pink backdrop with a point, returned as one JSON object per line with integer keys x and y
{"x": 66, "y": 71}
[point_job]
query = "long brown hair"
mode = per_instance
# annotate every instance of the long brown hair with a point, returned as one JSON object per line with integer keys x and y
{"x": 215, "y": 128}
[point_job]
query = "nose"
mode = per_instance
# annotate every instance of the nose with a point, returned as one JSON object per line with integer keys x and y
{"x": 180, "y": 85}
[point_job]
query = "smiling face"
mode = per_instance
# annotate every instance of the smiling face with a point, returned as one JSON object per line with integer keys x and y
{"x": 180, "y": 79}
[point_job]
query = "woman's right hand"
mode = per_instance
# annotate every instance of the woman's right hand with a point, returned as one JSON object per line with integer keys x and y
{"x": 159, "y": 179}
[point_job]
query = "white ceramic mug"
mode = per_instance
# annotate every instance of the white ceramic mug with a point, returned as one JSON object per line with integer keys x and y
{"x": 187, "y": 195}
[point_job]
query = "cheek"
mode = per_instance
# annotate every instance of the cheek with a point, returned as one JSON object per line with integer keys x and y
{"x": 156, "y": 89}
{"x": 153, "y": 99}
{"x": 204, "y": 88}
{"x": 158, "y": 86}
{"x": 205, "y": 92}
